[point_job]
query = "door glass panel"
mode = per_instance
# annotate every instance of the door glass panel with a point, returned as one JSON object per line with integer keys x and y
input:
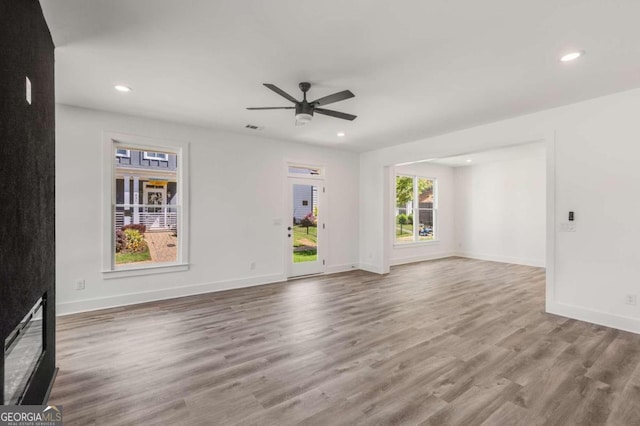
{"x": 301, "y": 170}
{"x": 305, "y": 223}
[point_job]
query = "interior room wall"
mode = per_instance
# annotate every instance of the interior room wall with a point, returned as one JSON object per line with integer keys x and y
{"x": 500, "y": 208}
{"x": 593, "y": 158}
{"x": 445, "y": 242}
{"x": 237, "y": 193}
{"x": 27, "y": 149}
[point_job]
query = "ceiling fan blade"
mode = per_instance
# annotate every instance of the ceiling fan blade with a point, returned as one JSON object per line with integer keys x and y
{"x": 336, "y": 114}
{"x": 281, "y": 92}
{"x": 340, "y": 96}
{"x": 271, "y": 108}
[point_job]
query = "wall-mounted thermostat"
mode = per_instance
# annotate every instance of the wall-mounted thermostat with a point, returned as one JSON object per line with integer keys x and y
{"x": 28, "y": 94}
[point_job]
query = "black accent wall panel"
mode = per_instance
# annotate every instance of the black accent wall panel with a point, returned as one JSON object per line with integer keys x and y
{"x": 27, "y": 179}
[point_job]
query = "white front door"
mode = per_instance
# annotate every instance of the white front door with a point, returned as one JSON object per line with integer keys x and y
{"x": 305, "y": 232}
{"x": 155, "y": 194}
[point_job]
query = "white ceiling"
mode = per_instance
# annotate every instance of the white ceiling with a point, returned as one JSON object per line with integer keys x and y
{"x": 417, "y": 67}
{"x": 511, "y": 153}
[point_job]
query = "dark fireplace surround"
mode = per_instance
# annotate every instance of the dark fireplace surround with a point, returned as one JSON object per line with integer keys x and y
{"x": 27, "y": 211}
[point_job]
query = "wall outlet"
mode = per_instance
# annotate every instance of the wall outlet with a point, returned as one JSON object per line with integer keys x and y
{"x": 631, "y": 299}
{"x": 252, "y": 265}
{"x": 80, "y": 284}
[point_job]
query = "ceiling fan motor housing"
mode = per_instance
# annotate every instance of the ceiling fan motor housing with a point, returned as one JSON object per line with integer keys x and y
{"x": 304, "y": 108}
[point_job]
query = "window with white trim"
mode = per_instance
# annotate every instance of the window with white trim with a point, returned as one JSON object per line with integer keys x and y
{"x": 161, "y": 156}
{"x": 415, "y": 209}
{"x": 146, "y": 226}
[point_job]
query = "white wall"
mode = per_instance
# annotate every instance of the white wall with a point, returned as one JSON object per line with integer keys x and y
{"x": 445, "y": 244}
{"x": 235, "y": 179}
{"x": 500, "y": 209}
{"x": 593, "y": 170}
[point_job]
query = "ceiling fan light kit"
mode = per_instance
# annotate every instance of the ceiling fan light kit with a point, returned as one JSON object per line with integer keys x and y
{"x": 303, "y": 118}
{"x": 305, "y": 109}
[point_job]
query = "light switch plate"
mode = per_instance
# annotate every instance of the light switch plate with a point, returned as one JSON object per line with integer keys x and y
{"x": 28, "y": 89}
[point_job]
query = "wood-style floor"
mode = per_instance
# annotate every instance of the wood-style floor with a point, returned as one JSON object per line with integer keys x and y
{"x": 447, "y": 342}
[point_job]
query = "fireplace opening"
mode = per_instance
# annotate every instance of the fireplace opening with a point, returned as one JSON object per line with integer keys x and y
{"x": 23, "y": 351}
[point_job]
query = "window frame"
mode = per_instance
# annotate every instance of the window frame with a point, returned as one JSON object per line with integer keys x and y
{"x": 415, "y": 209}
{"x": 320, "y": 171}
{"x": 111, "y": 141}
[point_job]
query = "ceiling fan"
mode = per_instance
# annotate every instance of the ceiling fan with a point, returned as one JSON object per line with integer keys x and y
{"x": 305, "y": 109}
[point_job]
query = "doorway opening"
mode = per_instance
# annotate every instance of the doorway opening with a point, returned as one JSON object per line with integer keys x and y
{"x": 488, "y": 205}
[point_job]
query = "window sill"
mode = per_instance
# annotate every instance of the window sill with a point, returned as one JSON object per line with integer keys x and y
{"x": 149, "y": 270}
{"x": 415, "y": 244}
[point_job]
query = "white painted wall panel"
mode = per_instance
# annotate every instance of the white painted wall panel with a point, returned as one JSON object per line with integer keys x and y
{"x": 500, "y": 210}
{"x": 238, "y": 185}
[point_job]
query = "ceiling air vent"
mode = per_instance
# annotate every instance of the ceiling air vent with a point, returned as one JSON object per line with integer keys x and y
{"x": 253, "y": 127}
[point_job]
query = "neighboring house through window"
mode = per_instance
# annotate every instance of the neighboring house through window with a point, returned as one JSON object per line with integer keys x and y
{"x": 147, "y": 227}
{"x": 415, "y": 209}
{"x": 160, "y": 156}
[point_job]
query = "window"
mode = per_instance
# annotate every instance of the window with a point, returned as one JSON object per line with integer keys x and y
{"x": 146, "y": 227}
{"x": 161, "y": 156}
{"x": 415, "y": 209}
{"x": 304, "y": 171}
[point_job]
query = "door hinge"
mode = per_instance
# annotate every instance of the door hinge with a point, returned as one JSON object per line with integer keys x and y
{"x": 323, "y": 226}
{"x": 324, "y": 189}
{"x": 323, "y": 261}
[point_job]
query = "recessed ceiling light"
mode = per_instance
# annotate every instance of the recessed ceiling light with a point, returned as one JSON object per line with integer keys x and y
{"x": 340, "y": 134}
{"x": 122, "y": 88}
{"x": 469, "y": 160}
{"x": 571, "y": 56}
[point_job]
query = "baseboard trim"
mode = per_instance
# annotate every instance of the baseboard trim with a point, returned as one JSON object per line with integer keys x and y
{"x": 419, "y": 258}
{"x": 372, "y": 268}
{"x": 336, "y": 269}
{"x": 68, "y": 308}
{"x": 540, "y": 263}
{"x": 619, "y": 322}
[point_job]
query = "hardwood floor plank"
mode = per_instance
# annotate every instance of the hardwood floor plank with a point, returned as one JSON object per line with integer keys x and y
{"x": 626, "y": 410}
{"x": 508, "y": 414}
{"x": 446, "y": 342}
